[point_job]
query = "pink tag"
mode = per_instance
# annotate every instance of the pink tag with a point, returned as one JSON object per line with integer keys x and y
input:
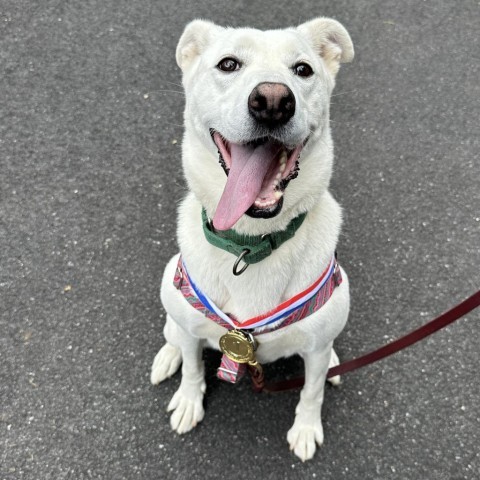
{"x": 231, "y": 371}
{"x": 178, "y": 278}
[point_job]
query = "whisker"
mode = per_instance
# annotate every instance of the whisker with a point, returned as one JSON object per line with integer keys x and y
{"x": 166, "y": 91}
{"x": 173, "y": 83}
{"x": 343, "y": 93}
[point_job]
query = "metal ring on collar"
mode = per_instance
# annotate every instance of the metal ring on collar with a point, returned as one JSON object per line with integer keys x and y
{"x": 236, "y": 272}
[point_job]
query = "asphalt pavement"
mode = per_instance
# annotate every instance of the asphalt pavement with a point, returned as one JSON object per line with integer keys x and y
{"x": 90, "y": 179}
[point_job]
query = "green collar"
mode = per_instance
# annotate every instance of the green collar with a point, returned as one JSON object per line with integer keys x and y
{"x": 251, "y": 248}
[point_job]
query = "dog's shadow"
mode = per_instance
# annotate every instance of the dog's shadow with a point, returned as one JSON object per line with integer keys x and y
{"x": 243, "y": 401}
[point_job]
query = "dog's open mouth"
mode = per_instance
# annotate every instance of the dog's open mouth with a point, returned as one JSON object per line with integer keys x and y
{"x": 258, "y": 173}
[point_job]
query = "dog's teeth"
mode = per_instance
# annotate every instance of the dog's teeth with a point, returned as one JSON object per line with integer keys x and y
{"x": 278, "y": 176}
{"x": 265, "y": 203}
{"x": 283, "y": 157}
{"x": 278, "y": 195}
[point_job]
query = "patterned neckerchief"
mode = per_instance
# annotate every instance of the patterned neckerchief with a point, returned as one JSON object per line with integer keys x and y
{"x": 292, "y": 310}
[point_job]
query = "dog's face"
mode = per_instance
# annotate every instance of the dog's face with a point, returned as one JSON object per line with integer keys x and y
{"x": 258, "y": 101}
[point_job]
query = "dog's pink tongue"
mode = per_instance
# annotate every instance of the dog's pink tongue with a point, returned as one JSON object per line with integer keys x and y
{"x": 244, "y": 182}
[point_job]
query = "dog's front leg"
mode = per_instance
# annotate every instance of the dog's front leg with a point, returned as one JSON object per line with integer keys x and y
{"x": 187, "y": 402}
{"x": 307, "y": 430}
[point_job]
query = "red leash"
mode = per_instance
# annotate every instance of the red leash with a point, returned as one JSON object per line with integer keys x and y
{"x": 413, "y": 337}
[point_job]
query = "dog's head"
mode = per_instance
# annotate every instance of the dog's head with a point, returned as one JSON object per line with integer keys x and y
{"x": 259, "y": 101}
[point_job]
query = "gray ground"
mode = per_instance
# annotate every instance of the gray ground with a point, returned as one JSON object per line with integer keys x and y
{"x": 90, "y": 131}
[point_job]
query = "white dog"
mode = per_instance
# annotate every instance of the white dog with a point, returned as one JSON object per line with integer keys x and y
{"x": 259, "y": 101}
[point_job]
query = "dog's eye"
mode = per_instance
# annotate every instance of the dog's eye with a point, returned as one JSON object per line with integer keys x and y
{"x": 303, "y": 70}
{"x": 229, "y": 65}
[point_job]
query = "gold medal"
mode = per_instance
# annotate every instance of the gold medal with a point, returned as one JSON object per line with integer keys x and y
{"x": 239, "y": 347}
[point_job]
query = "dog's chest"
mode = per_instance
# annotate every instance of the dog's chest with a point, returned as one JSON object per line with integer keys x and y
{"x": 257, "y": 291}
{"x": 253, "y": 294}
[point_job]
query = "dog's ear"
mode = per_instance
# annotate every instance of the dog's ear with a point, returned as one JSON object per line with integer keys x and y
{"x": 194, "y": 40}
{"x": 330, "y": 40}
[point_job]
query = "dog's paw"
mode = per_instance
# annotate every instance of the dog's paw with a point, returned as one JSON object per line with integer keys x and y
{"x": 334, "y": 361}
{"x": 187, "y": 407}
{"x": 304, "y": 437}
{"x": 165, "y": 364}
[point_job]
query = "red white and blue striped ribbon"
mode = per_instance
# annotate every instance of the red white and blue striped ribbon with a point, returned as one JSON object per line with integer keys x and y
{"x": 281, "y": 311}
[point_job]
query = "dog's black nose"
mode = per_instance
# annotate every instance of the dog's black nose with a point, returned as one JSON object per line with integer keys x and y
{"x": 271, "y": 104}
